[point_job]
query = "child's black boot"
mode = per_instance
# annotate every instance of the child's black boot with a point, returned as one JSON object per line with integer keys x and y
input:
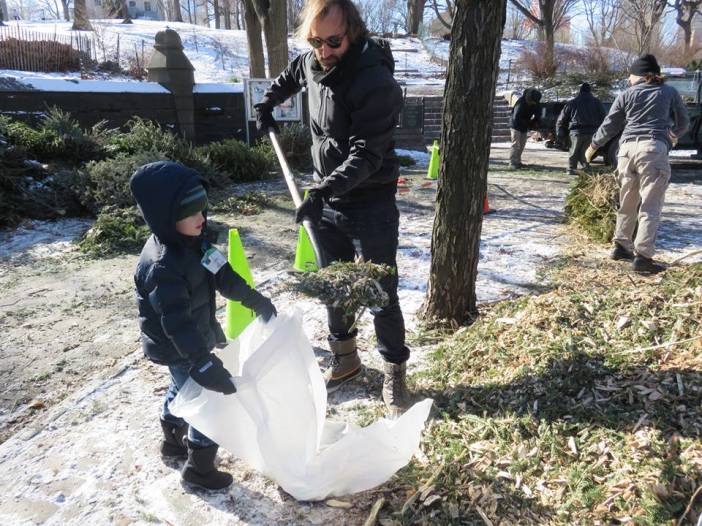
{"x": 172, "y": 445}
{"x": 200, "y": 470}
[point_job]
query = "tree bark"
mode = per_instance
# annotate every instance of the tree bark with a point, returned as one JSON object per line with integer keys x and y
{"x": 273, "y": 17}
{"x": 66, "y": 14}
{"x": 257, "y": 65}
{"x": 80, "y": 17}
{"x": 685, "y": 11}
{"x": 415, "y": 15}
{"x": 465, "y": 140}
{"x": 215, "y": 8}
{"x": 177, "y": 15}
{"x": 227, "y": 9}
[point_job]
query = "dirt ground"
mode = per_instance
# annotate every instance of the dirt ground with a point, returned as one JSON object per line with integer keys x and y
{"x": 68, "y": 320}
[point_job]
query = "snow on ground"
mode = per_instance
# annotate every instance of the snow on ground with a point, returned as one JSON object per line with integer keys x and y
{"x": 35, "y": 239}
{"x": 218, "y": 55}
{"x": 94, "y": 457}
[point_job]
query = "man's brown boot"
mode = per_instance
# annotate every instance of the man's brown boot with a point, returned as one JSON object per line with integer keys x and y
{"x": 395, "y": 394}
{"x": 345, "y": 364}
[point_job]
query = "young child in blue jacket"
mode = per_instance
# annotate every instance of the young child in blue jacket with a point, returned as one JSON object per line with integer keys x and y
{"x": 176, "y": 279}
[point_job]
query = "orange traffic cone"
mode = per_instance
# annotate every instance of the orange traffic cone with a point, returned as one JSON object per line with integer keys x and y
{"x": 486, "y": 206}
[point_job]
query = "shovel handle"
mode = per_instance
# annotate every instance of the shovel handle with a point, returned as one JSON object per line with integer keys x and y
{"x": 296, "y": 197}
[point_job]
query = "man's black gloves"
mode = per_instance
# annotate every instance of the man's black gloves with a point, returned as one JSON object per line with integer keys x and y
{"x": 210, "y": 373}
{"x": 261, "y": 305}
{"x": 264, "y": 118}
{"x": 311, "y": 207}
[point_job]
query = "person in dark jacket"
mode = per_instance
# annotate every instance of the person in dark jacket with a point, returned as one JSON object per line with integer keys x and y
{"x": 580, "y": 117}
{"x": 525, "y": 117}
{"x": 354, "y": 104}
{"x": 176, "y": 278}
{"x": 650, "y": 115}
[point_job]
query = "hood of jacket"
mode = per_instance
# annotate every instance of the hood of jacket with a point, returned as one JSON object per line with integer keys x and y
{"x": 158, "y": 189}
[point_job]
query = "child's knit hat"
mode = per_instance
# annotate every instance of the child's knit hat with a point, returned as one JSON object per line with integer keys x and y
{"x": 194, "y": 201}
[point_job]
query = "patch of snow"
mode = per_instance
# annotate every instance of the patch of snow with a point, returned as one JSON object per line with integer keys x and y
{"x": 218, "y": 88}
{"x": 93, "y": 86}
{"x": 35, "y": 239}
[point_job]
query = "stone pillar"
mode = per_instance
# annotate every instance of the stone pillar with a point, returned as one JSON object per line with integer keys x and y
{"x": 170, "y": 67}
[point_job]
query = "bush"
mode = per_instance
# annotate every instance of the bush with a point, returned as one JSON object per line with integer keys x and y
{"x": 235, "y": 159}
{"x": 106, "y": 183}
{"x": 116, "y": 231}
{"x": 58, "y": 137}
{"x": 592, "y": 205}
{"x": 538, "y": 63}
{"x": 144, "y": 136}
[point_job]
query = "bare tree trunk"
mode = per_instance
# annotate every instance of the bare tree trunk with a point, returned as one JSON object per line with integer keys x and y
{"x": 257, "y": 65}
{"x": 124, "y": 12}
{"x": 66, "y": 14}
{"x": 415, "y": 15}
{"x": 685, "y": 11}
{"x": 465, "y": 140}
{"x": 235, "y": 13}
{"x": 177, "y": 15}
{"x": 215, "y": 8}
{"x": 227, "y": 8}
{"x": 553, "y": 14}
{"x": 80, "y": 16}
{"x": 274, "y": 20}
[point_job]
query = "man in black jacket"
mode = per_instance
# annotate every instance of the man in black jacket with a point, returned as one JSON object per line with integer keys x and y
{"x": 176, "y": 278}
{"x": 581, "y": 117}
{"x": 525, "y": 117}
{"x": 354, "y": 104}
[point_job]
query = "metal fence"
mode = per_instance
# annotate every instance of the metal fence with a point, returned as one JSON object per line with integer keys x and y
{"x": 26, "y": 50}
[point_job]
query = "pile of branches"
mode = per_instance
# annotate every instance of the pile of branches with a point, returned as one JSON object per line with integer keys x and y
{"x": 29, "y": 189}
{"x": 345, "y": 285}
{"x": 592, "y": 205}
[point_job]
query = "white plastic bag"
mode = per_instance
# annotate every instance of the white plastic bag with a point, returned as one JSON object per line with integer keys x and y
{"x": 276, "y": 420}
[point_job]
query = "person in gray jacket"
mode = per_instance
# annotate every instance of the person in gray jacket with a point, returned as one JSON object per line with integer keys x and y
{"x": 580, "y": 117}
{"x": 650, "y": 115}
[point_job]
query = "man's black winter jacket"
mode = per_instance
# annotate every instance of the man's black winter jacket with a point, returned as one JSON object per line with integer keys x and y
{"x": 581, "y": 115}
{"x": 175, "y": 292}
{"x": 354, "y": 108}
{"x": 526, "y": 111}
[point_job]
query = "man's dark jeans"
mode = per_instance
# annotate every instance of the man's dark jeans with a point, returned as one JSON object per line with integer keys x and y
{"x": 578, "y": 144}
{"x": 179, "y": 375}
{"x": 370, "y": 230}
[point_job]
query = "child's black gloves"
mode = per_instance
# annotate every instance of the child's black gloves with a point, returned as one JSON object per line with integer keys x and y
{"x": 211, "y": 374}
{"x": 312, "y": 206}
{"x": 261, "y": 305}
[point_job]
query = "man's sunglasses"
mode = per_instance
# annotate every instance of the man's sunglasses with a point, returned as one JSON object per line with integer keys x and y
{"x": 333, "y": 41}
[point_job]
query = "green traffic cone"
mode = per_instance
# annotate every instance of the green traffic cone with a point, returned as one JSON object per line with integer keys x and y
{"x": 305, "y": 261}
{"x": 238, "y": 316}
{"x": 433, "y": 171}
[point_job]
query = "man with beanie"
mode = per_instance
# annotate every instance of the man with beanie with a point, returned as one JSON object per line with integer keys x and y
{"x": 354, "y": 105}
{"x": 580, "y": 116}
{"x": 649, "y": 115}
{"x": 176, "y": 278}
{"x": 525, "y": 117}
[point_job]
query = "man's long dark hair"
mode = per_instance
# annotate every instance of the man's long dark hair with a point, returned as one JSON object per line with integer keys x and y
{"x": 355, "y": 26}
